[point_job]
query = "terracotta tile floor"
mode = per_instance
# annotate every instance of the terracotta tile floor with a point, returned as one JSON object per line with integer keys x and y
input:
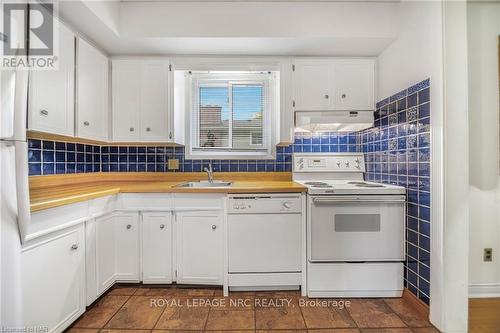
{"x": 138, "y": 309}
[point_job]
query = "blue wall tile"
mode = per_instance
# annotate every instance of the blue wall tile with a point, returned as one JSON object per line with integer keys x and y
{"x": 408, "y": 154}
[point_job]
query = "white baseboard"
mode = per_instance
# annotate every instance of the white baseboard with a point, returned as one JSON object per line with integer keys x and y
{"x": 486, "y": 290}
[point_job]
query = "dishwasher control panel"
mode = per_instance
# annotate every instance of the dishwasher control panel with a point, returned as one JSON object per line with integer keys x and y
{"x": 264, "y": 204}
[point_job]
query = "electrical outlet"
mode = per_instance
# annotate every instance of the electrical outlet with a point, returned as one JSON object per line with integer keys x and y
{"x": 173, "y": 164}
{"x": 488, "y": 254}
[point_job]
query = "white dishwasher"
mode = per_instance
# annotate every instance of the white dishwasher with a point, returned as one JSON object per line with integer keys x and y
{"x": 265, "y": 241}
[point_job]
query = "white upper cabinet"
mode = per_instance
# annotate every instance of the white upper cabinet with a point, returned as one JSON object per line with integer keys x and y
{"x": 140, "y": 92}
{"x": 313, "y": 85}
{"x": 353, "y": 84}
{"x": 51, "y": 92}
{"x": 155, "y": 116}
{"x": 334, "y": 84}
{"x": 126, "y": 100}
{"x": 92, "y": 119}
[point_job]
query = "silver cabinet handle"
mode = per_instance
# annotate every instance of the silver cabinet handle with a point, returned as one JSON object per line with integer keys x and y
{"x": 86, "y": 123}
{"x": 343, "y": 96}
{"x": 129, "y": 226}
{"x": 148, "y": 129}
{"x": 44, "y": 112}
{"x": 170, "y": 135}
{"x": 327, "y": 96}
{"x": 131, "y": 129}
{"x": 162, "y": 226}
{"x": 214, "y": 227}
{"x": 74, "y": 247}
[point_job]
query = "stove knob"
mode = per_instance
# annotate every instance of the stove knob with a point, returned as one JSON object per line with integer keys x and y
{"x": 347, "y": 163}
{"x": 287, "y": 204}
{"x": 338, "y": 164}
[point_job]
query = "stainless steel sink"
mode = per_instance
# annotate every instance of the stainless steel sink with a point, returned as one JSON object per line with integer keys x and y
{"x": 205, "y": 184}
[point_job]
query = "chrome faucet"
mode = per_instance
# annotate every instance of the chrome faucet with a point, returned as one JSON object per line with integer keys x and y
{"x": 210, "y": 173}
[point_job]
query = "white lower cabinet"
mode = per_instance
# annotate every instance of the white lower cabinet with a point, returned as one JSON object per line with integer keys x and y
{"x": 199, "y": 247}
{"x": 127, "y": 247}
{"x": 112, "y": 252}
{"x": 157, "y": 247}
{"x": 53, "y": 274}
{"x": 105, "y": 253}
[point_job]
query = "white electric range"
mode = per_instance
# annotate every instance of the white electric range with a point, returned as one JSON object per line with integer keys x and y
{"x": 355, "y": 229}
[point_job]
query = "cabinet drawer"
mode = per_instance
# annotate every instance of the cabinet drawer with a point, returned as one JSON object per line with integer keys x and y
{"x": 206, "y": 201}
{"x": 144, "y": 201}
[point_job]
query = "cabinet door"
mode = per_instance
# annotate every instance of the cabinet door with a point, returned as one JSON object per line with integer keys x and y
{"x": 313, "y": 85}
{"x": 157, "y": 247}
{"x": 199, "y": 248}
{"x": 155, "y": 122}
{"x": 104, "y": 253}
{"x": 92, "y": 93}
{"x": 51, "y": 92}
{"x": 91, "y": 292}
{"x": 127, "y": 248}
{"x": 126, "y": 92}
{"x": 353, "y": 84}
{"x": 53, "y": 281}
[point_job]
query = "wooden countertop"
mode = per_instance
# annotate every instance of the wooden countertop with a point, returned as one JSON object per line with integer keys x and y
{"x": 53, "y": 191}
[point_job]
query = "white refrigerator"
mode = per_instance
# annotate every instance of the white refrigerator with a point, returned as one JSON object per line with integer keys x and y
{"x": 14, "y": 194}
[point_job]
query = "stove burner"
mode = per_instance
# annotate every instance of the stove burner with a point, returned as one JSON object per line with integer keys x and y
{"x": 315, "y": 183}
{"x": 356, "y": 183}
{"x": 322, "y": 186}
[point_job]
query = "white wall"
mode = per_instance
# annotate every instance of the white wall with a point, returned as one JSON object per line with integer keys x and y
{"x": 416, "y": 53}
{"x": 483, "y": 32}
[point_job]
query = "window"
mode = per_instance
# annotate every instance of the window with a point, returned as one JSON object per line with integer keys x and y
{"x": 231, "y": 114}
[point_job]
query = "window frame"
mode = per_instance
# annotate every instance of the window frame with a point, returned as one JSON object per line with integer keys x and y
{"x": 195, "y": 80}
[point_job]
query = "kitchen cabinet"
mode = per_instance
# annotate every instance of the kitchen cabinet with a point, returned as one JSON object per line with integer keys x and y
{"x": 92, "y": 110}
{"x": 353, "y": 84}
{"x": 313, "y": 85}
{"x": 157, "y": 247}
{"x": 51, "y": 92}
{"x": 105, "y": 252}
{"x": 199, "y": 247}
{"x": 334, "y": 84}
{"x": 91, "y": 292}
{"x": 140, "y": 93}
{"x": 127, "y": 246}
{"x": 53, "y": 280}
{"x": 126, "y": 105}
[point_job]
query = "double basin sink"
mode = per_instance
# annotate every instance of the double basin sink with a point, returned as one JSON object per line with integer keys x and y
{"x": 205, "y": 184}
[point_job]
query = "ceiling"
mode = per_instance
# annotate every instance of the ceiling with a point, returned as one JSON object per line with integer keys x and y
{"x": 241, "y": 27}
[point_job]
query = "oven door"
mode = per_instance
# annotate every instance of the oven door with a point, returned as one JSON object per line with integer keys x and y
{"x": 356, "y": 228}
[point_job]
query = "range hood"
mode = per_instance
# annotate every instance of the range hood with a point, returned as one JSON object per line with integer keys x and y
{"x": 333, "y": 121}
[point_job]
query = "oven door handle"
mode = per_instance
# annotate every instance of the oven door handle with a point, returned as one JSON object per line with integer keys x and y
{"x": 336, "y": 199}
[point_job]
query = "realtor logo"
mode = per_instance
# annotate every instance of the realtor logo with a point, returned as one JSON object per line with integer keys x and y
{"x": 28, "y": 36}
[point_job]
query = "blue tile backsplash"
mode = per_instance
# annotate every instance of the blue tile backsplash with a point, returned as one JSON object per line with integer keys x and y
{"x": 50, "y": 157}
{"x": 398, "y": 151}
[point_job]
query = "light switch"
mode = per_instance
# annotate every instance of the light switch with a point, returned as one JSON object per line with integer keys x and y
{"x": 173, "y": 164}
